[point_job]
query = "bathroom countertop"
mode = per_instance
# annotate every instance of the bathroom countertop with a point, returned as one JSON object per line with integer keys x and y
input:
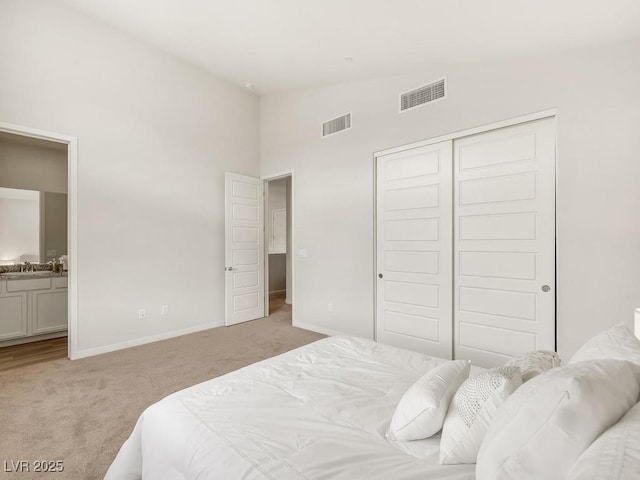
{"x": 26, "y": 276}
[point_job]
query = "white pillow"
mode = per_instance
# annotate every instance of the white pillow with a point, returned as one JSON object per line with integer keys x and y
{"x": 546, "y": 424}
{"x": 615, "y": 455}
{"x": 617, "y": 342}
{"x": 421, "y": 410}
{"x": 532, "y": 364}
{"x": 471, "y": 411}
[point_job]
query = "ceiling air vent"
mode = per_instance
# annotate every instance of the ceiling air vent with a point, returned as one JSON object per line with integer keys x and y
{"x": 336, "y": 125}
{"x": 425, "y": 94}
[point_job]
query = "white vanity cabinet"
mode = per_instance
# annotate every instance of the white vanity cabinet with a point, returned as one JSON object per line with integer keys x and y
{"x": 32, "y": 306}
{"x": 13, "y": 314}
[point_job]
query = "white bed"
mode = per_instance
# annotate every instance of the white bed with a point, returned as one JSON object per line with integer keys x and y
{"x": 318, "y": 412}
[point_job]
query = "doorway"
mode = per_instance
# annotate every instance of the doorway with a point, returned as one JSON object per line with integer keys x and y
{"x": 278, "y": 244}
{"x": 36, "y": 309}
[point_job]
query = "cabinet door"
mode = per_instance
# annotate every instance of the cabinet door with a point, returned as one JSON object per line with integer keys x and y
{"x": 49, "y": 311}
{"x": 13, "y": 315}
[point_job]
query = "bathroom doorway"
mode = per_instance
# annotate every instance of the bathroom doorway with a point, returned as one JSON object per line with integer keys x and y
{"x": 38, "y": 287}
{"x": 278, "y": 219}
{"x": 33, "y": 243}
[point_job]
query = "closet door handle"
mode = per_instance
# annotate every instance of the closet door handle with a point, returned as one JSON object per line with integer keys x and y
{"x": 379, "y": 275}
{"x": 546, "y": 288}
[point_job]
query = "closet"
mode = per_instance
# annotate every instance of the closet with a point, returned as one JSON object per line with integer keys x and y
{"x": 465, "y": 244}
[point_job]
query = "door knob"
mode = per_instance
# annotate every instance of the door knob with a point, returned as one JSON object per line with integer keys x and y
{"x": 379, "y": 275}
{"x": 546, "y": 288}
{"x": 229, "y": 268}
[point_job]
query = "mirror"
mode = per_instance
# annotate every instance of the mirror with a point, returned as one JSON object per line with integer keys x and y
{"x": 34, "y": 226}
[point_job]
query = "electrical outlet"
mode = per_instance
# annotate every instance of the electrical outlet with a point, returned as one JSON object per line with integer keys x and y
{"x": 142, "y": 313}
{"x": 164, "y": 310}
{"x": 330, "y": 307}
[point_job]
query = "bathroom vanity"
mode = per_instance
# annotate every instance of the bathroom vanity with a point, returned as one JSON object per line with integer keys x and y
{"x": 33, "y": 306}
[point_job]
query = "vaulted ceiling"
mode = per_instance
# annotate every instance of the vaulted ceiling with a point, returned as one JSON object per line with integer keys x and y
{"x": 278, "y": 45}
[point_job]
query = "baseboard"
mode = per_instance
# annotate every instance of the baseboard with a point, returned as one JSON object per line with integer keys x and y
{"x": 276, "y": 291}
{"x": 317, "y": 329}
{"x": 90, "y": 352}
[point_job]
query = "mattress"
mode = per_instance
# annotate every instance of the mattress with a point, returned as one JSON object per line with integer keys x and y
{"x": 318, "y": 412}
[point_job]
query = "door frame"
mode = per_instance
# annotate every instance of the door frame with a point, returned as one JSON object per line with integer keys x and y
{"x": 72, "y": 221}
{"x": 266, "y": 179}
{"x": 549, "y": 113}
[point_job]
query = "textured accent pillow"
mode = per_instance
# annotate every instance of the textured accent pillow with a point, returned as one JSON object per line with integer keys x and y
{"x": 615, "y": 455}
{"x": 422, "y": 408}
{"x": 546, "y": 424}
{"x": 617, "y": 342}
{"x": 534, "y": 363}
{"x": 471, "y": 411}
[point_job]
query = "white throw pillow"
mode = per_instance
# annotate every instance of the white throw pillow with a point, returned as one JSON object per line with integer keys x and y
{"x": 546, "y": 424}
{"x": 473, "y": 407}
{"x": 532, "y": 364}
{"x": 617, "y": 342}
{"x": 421, "y": 410}
{"x": 615, "y": 455}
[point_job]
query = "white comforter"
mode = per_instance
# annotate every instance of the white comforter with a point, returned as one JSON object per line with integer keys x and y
{"x": 318, "y": 412}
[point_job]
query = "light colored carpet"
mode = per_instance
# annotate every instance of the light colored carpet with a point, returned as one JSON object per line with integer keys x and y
{"x": 81, "y": 412}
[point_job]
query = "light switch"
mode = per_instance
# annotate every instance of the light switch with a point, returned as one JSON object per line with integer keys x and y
{"x": 303, "y": 253}
{"x": 52, "y": 253}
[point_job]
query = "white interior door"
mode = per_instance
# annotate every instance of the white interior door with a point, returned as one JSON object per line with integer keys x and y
{"x": 244, "y": 249}
{"x": 414, "y": 248}
{"x": 504, "y": 242}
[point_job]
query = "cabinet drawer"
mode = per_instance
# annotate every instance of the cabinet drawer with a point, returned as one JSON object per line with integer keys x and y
{"x": 60, "y": 282}
{"x": 28, "y": 284}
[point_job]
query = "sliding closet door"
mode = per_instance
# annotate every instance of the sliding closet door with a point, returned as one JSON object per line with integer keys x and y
{"x": 504, "y": 242}
{"x": 414, "y": 244}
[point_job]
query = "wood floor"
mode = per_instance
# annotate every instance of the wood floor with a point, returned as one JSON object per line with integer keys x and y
{"x": 31, "y": 353}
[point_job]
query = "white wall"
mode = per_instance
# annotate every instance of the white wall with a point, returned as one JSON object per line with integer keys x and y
{"x": 155, "y": 136}
{"x": 277, "y": 272}
{"x": 277, "y": 194}
{"x": 19, "y": 228}
{"x": 277, "y": 200}
{"x": 596, "y": 92}
{"x": 53, "y": 224}
{"x": 32, "y": 164}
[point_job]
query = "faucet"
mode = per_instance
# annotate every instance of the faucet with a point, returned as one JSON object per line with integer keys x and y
{"x": 27, "y": 267}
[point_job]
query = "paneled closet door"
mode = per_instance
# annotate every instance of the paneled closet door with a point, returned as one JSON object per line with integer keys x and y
{"x": 414, "y": 192}
{"x": 504, "y": 242}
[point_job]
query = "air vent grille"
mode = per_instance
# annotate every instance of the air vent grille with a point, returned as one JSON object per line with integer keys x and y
{"x": 336, "y": 125}
{"x": 419, "y": 96}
